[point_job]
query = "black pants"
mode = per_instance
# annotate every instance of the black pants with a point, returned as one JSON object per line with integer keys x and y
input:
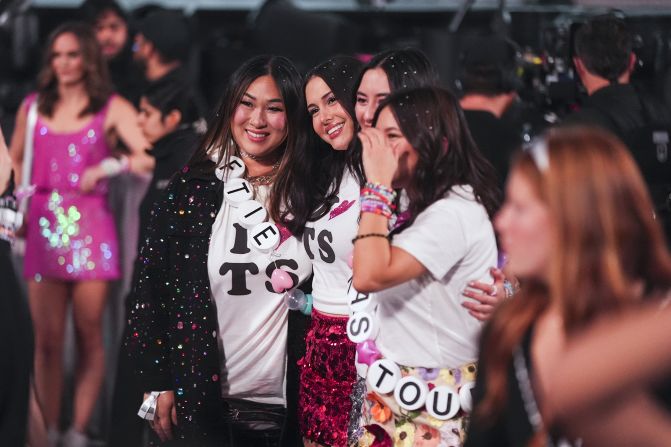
{"x": 126, "y": 429}
{"x": 252, "y": 424}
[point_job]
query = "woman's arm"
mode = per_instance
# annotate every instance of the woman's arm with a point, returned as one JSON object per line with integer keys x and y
{"x": 16, "y": 148}
{"x": 623, "y": 353}
{"x": 122, "y": 118}
{"x": 634, "y": 419}
{"x": 377, "y": 264}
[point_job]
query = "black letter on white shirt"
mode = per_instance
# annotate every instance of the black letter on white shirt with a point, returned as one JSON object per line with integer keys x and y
{"x": 238, "y": 276}
{"x": 308, "y": 235}
{"x": 240, "y": 246}
{"x": 325, "y": 249}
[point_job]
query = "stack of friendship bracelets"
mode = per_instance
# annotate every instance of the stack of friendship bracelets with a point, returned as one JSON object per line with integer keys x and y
{"x": 378, "y": 199}
{"x": 383, "y": 375}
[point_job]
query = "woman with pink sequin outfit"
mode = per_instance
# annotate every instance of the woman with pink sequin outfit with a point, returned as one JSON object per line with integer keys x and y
{"x": 324, "y": 211}
{"x": 71, "y": 241}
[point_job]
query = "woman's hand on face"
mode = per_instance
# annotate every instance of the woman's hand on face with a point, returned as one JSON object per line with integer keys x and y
{"x": 380, "y": 161}
{"x": 165, "y": 416}
{"x": 486, "y": 296}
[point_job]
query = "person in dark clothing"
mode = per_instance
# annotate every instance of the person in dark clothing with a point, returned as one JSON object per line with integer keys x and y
{"x": 604, "y": 62}
{"x": 16, "y": 356}
{"x": 113, "y": 32}
{"x": 489, "y": 85}
{"x": 161, "y": 49}
{"x": 167, "y": 119}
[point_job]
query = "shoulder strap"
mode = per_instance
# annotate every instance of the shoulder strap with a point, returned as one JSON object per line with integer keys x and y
{"x": 28, "y": 146}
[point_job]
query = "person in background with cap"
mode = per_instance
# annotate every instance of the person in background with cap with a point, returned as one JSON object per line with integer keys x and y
{"x": 489, "y": 88}
{"x": 112, "y": 30}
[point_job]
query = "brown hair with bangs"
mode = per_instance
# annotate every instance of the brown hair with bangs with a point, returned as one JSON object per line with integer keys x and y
{"x": 611, "y": 251}
{"x": 96, "y": 76}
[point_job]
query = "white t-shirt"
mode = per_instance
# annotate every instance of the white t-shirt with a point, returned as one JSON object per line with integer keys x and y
{"x": 328, "y": 242}
{"x": 422, "y": 322}
{"x": 252, "y": 318}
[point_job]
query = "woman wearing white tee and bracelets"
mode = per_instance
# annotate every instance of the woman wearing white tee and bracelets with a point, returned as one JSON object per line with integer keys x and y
{"x": 421, "y": 368}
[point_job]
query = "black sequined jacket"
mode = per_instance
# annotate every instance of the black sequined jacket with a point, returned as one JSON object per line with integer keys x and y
{"x": 173, "y": 323}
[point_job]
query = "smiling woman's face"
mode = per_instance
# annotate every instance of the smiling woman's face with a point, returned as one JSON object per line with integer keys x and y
{"x": 374, "y": 88}
{"x": 259, "y": 124}
{"x": 329, "y": 118}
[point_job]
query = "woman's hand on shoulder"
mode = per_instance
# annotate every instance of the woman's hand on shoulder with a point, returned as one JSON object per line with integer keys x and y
{"x": 486, "y": 296}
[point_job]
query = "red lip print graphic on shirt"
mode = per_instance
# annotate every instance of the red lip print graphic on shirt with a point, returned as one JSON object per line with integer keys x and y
{"x": 344, "y": 206}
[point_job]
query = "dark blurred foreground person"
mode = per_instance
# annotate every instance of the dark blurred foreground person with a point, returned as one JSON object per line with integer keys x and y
{"x": 16, "y": 356}
{"x": 584, "y": 252}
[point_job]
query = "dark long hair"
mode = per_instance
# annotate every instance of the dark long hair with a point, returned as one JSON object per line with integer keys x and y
{"x": 219, "y": 136}
{"x": 434, "y": 125}
{"x": 96, "y": 77}
{"x": 607, "y": 241}
{"x": 308, "y": 197}
{"x": 405, "y": 68}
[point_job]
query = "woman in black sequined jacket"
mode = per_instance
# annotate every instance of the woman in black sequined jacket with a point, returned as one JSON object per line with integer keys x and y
{"x": 174, "y": 332}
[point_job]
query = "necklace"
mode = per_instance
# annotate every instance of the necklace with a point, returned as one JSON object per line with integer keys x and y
{"x": 265, "y": 179}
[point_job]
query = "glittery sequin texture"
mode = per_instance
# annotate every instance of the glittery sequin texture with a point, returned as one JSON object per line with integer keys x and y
{"x": 172, "y": 320}
{"x": 70, "y": 235}
{"x": 327, "y": 378}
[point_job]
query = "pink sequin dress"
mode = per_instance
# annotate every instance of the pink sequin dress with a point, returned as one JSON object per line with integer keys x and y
{"x": 70, "y": 235}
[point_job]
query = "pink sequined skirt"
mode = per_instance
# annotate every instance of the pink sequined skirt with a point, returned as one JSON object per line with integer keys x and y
{"x": 328, "y": 375}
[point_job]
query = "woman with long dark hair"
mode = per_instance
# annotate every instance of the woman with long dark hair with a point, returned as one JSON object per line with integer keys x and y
{"x": 422, "y": 365}
{"x": 387, "y": 72}
{"x": 394, "y": 70}
{"x": 73, "y": 120}
{"x": 208, "y": 326}
{"x": 579, "y": 229}
{"x": 323, "y": 209}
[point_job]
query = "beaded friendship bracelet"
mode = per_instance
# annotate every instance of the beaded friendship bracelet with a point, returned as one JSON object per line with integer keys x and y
{"x": 377, "y": 199}
{"x": 364, "y": 236}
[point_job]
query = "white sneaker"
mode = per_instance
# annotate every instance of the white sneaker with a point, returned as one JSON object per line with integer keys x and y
{"x": 73, "y": 438}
